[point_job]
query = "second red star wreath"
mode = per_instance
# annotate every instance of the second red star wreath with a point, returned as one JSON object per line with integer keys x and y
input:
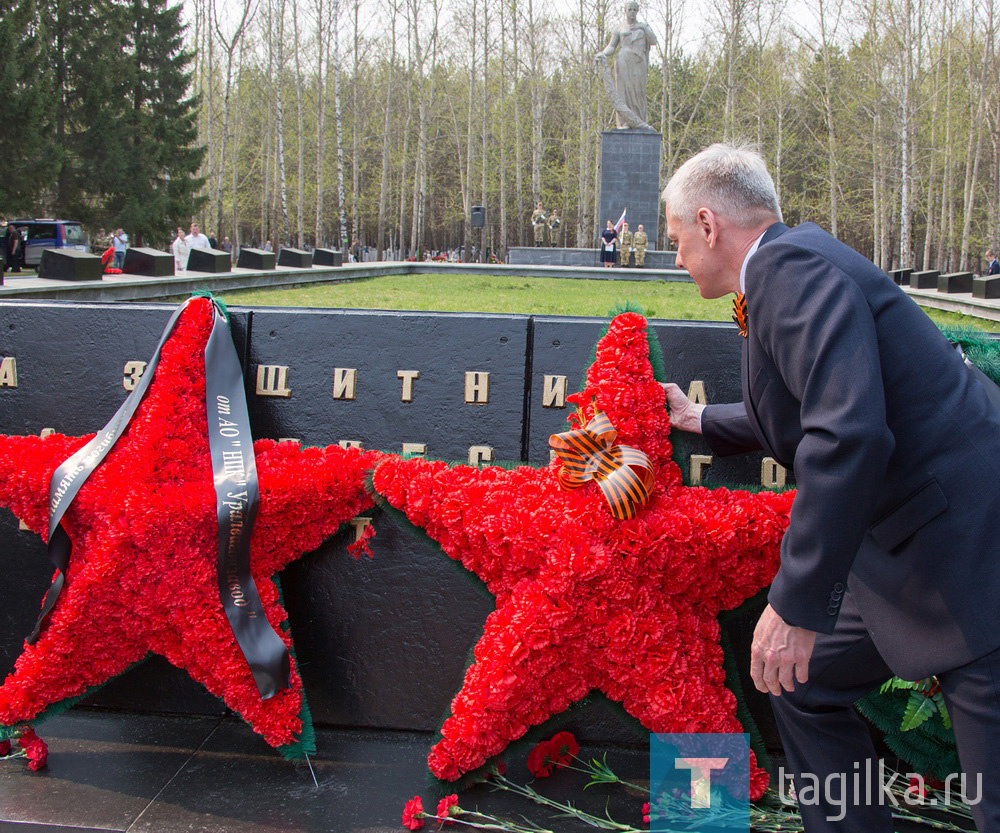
{"x": 585, "y": 601}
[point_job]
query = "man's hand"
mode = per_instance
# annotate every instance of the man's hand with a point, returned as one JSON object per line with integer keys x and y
{"x": 779, "y": 652}
{"x": 684, "y": 413}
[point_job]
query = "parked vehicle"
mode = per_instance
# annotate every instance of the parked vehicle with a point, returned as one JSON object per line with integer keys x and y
{"x": 41, "y": 234}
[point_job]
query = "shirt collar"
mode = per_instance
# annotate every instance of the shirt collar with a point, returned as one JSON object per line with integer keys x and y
{"x": 746, "y": 260}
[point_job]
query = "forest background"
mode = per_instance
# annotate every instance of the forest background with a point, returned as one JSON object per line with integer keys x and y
{"x": 318, "y": 122}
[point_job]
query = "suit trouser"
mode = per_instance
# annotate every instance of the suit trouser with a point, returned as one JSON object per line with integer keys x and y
{"x": 828, "y": 744}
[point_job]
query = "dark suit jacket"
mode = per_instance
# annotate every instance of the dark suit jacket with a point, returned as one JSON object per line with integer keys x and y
{"x": 993, "y": 268}
{"x": 895, "y": 449}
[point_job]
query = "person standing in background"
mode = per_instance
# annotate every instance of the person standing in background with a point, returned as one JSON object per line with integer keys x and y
{"x": 992, "y": 264}
{"x": 639, "y": 243}
{"x": 180, "y": 248}
{"x": 197, "y": 240}
{"x": 538, "y": 224}
{"x": 625, "y": 240}
{"x": 121, "y": 244}
{"x": 554, "y": 222}
{"x": 609, "y": 241}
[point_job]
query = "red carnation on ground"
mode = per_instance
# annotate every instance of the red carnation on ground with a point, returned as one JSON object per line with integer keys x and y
{"x": 556, "y": 753}
{"x": 444, "y": 808}
{"x": 413, "y": 813}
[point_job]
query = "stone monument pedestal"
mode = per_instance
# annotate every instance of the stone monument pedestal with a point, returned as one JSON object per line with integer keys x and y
{"x": 630, "y": 179}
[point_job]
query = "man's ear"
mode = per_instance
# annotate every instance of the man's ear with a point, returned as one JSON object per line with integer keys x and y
{"x": 708, "y": 226}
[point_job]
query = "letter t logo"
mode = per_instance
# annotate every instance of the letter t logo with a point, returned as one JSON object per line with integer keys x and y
{"x": 701, "y": 778}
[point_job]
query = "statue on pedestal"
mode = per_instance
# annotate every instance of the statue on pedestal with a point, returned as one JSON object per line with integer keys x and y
{"x": 628, "y": 88}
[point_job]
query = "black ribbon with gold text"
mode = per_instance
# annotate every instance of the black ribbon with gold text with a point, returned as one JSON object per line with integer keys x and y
{"x": 235, "y": 477}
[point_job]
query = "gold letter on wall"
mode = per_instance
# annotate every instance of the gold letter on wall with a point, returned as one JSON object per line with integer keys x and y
{"x": 772, "y": 474}
{"x": 414, "y": 449}
{"x": 345, "y": 382}
{"x": 699, "y": 462}
{"x": 554, "y": 392}
{"x": 479, "y": 454}
{"x": 133, "y": 373}
{"x": 272, "y": 380}
{"x": 477, "y": 387}
{"x": 696, "y": 392}
{"x": 407, "y": 376}
{"x": 8, "y": 372}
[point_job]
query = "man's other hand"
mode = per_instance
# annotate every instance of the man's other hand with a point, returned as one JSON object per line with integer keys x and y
{"x": 684, "y": 413}
{"x": 780, "y": 653}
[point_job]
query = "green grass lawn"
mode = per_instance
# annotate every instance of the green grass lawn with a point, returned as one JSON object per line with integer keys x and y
{"x": 531, "y": 296}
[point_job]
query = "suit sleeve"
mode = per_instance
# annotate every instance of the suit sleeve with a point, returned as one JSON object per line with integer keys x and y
{"x": 814, "y": 323}
{"x": 727, "y": 429}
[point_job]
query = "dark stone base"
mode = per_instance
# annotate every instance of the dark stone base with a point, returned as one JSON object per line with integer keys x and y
{"x": 328, "y": 257}
{"x": 986, "y": 287}
{"x": 70, "y": 265}
{"x": 209, "y": 260}
{"x": 163, "y": 774}
{"x": 925, "y": 280}
{"x": 148, "y": 262}
{"x": 901, "y": 276}
{"x": 544, "y": 256}
{"x": 630, "y": 179}
{"x": 256, "y": 259}
{"x": 296, "y": 258}
{"x": 955, "y": 283}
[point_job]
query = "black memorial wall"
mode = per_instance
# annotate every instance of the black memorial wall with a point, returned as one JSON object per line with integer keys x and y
{"x": 383, "y": 642}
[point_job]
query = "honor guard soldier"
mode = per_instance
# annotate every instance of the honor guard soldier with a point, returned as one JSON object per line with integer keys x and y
{"x": 553, "y": 224}
{"x": 626, "y": 240}
{"x": 538, "y": 219}
{"x": 639, "y": 243}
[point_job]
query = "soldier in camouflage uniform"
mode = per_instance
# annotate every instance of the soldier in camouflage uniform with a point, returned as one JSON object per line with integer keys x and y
{"x": 553, "y": 224}
{"x": 538, "y": 225}
{"x": 625, "y": 237}
{"x": 640, "y": 241}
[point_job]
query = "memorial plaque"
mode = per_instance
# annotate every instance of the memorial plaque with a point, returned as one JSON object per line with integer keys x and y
{"x": 295, "y": 258}
{"x": 987, "y": 286}
{"x": 381, "y": 643}
{"x": 925, "y": 280}
{"x": 955, "y": 283}
{"x": 901, "y": 276}
{"x": 328, "y": 257}
{"x": 149, "y": 262}
{"x": 70, "y": 265}
{"x": 256, "y": 259}
{"x": 209, "y": 260}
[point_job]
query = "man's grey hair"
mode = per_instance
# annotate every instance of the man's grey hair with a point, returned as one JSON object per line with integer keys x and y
{"x": 732, "y": 180}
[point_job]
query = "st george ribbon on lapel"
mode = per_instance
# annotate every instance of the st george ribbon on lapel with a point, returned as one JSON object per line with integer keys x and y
{"x": 740, "y": 312}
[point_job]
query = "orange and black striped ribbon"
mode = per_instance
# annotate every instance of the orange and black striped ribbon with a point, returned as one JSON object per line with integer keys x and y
{"x": 740, "y": 313}
{"x": 624, "y": 474}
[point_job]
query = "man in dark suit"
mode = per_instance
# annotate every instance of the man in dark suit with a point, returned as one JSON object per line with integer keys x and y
{"x": 891, "y": 560}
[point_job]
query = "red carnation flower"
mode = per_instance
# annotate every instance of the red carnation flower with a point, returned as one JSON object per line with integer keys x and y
{"x": 444, "y": 808}
{"x": 555, "y": 753}
{"x": 413, "y": 813}
{"x": 645, "y": 813}
{"x": 4, "y": 748}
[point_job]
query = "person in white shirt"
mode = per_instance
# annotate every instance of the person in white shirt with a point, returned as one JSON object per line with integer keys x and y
{"x": 197, "y": 240}
{"x": 120, "y": 244}
{"x": 180, "y": 249}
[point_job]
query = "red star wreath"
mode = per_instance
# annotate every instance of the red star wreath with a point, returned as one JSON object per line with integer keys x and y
{"x": 142, "y": 578}
{"x": 584, "y": 601}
